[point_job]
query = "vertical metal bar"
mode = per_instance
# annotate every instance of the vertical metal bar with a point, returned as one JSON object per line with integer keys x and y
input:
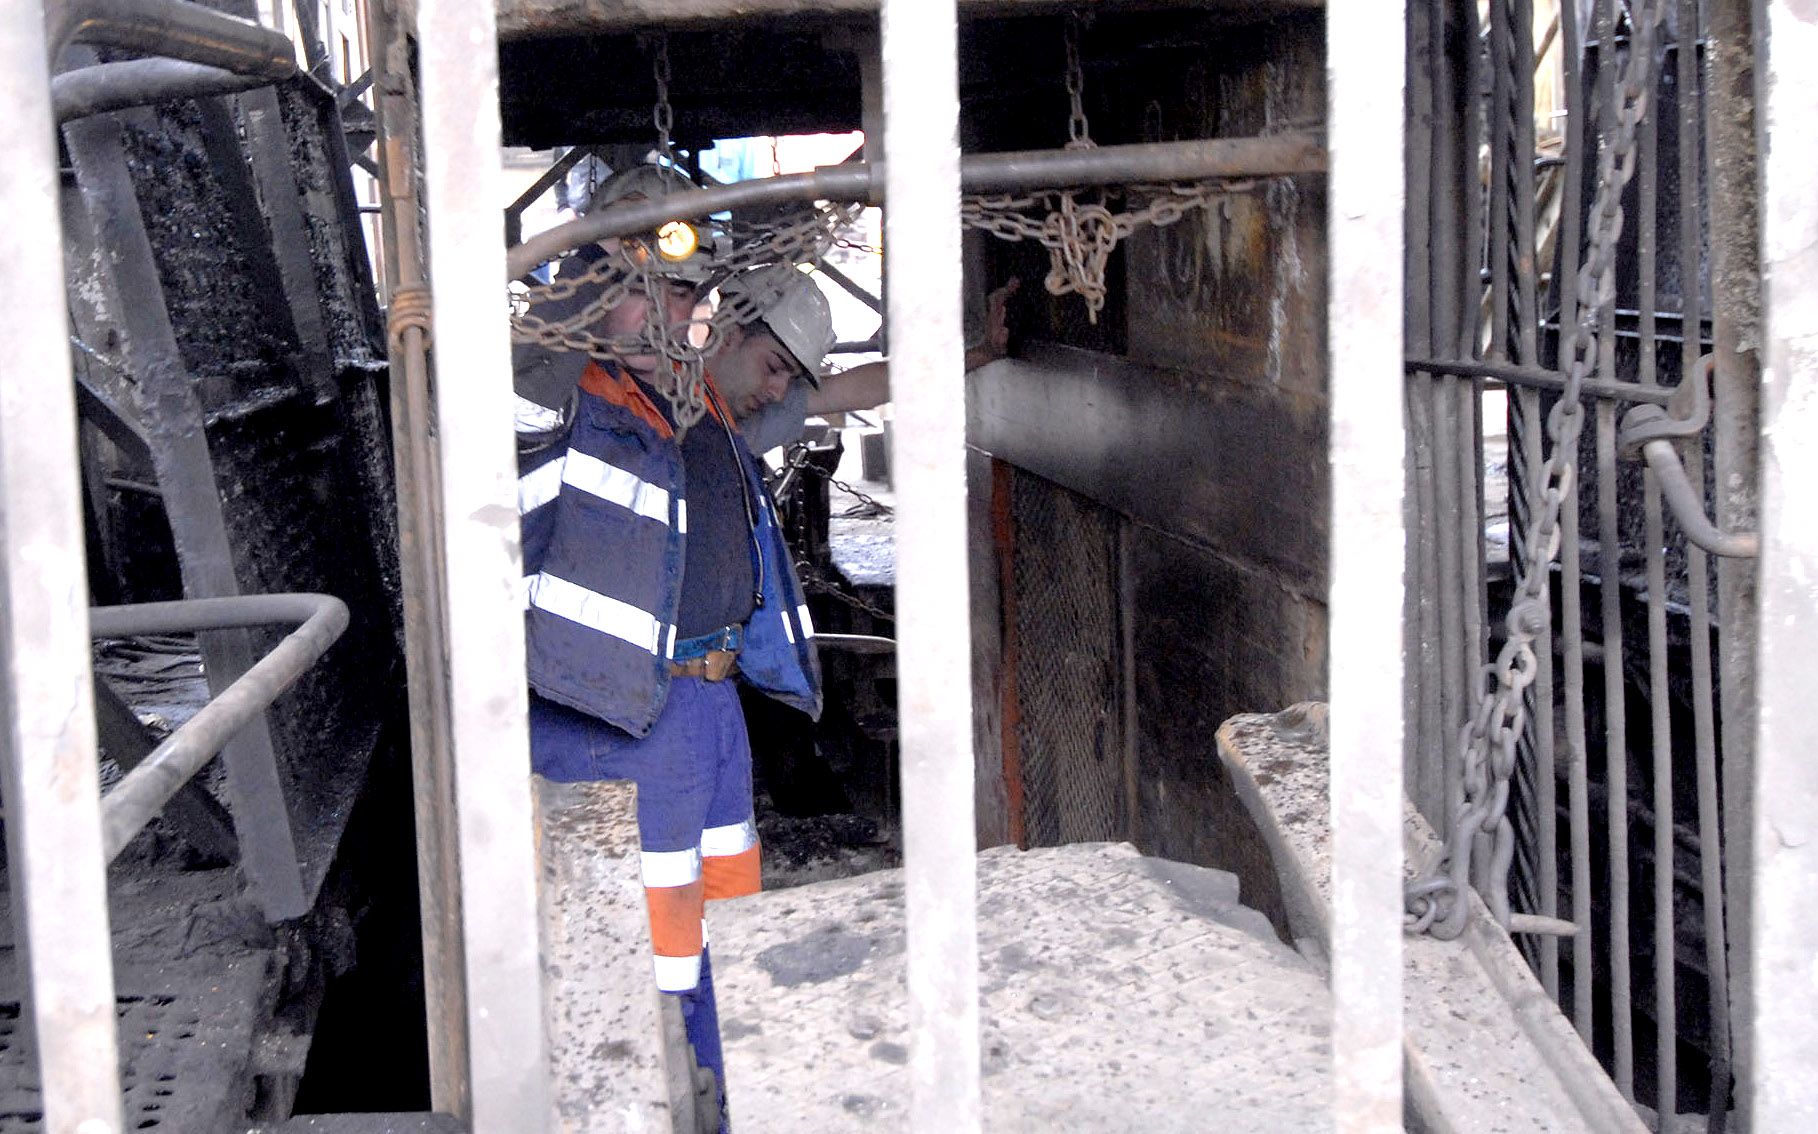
{"x": 47, "y": 720}
{"x": 1424, "y": 760}
{"x": 179, "y": 446}
{"x": 1571, "y": 582}
{"x": 1698, "y": 579}
{"x": 1003, "y": 530}
{"x": 508, "y": 1059}
{"x": 1780, "y": 1079}
{"x": 921, "y": 147}
{"x": 419, "y": 537}
{"x": 1527, "y": 347}
{"x": 1609, "y": 570}
{"x": 1731, "y": 166}
{"x": 1365, "y": 63}
{"x": 1666, "y": 1029}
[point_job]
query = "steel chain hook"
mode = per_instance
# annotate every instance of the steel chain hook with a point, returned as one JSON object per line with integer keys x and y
{"x": 1437, "y": 902}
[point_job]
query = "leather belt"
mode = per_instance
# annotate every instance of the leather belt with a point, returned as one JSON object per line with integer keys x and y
{"x": 714, "y": 665}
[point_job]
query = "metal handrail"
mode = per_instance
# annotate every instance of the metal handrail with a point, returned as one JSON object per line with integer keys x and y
{"x": 141, "y": 82}
{"x": 174, "y": 28}
{"x": 146, "y": 789}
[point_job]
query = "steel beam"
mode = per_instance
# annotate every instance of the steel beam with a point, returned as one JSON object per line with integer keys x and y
{"x": 1365, "y": 115}
{"x": 1781, "y": 1079}
{"x": 172, "y": 417}
{"x": 481, "y": 567}
{"x": 47, "y": 722}
{"x": 1275, "y": 155}
{"x": 934, "y": 650}
{"x": 103, "y": 87}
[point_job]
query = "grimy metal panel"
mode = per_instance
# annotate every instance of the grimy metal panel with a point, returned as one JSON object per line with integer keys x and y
{"x": 934, "y": 656}
{"x": 1365, "y": 51}
{"x": 47, "y": 722}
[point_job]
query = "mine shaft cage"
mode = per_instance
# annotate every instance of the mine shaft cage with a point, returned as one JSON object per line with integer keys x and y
{"x": 1413, "y": 587}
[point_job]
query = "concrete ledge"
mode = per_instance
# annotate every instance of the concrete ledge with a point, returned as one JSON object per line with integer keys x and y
{"x": 609, "y": 1059}
{"x": 1487, "y": 1049}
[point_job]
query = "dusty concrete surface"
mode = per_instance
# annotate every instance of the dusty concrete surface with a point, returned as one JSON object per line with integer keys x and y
{"x": 1487, "y": 1049}
{"x": 1118, "y": 993}
{"x": 601, "y": 1004}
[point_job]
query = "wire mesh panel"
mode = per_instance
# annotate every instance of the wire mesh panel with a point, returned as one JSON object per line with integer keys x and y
{"x": 1068, "y": 665}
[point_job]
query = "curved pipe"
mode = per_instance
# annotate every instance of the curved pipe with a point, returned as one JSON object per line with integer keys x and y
{"x": 1687, "y": 505}
{"x": 146, "y": 789}
{"x": 1274, "y": 156}
{"x": 140, "y": 82}
{"x": 177, "y": 29}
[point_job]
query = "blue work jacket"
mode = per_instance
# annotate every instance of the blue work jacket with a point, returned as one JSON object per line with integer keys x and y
{"x": 604, "y": 515}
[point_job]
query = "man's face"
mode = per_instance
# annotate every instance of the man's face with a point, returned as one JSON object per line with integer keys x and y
{"x": 629, "y": 317}
{"x": 752, "y": 370}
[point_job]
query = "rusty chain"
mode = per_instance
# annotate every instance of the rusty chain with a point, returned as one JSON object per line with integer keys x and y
{"x": 1438, "y": 901}
{"x": 1079, "y": 135}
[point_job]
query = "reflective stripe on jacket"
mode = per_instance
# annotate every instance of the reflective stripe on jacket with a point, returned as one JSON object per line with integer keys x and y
{"x": 604, "y": 519}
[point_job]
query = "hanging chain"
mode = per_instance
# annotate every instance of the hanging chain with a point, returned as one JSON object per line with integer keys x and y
{"x": 662, "y": 115}
{"x": 1437, "y": 902}
{"x": 797, "y": 458}
{"x": 1079, "y": 137}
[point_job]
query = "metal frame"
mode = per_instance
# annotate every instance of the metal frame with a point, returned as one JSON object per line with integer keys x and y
{"x": 934, "y": 650}
{"x": 1365, "y": 93}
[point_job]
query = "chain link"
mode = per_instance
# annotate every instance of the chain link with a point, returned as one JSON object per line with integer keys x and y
{"x": 662, "y": 115}
{"x": 1080, "y": 237}
{"x": 1437, "y": 902}
{"x": 1079, "y": 135}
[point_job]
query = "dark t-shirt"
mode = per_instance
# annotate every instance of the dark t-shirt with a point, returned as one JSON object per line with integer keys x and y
{"x": 718, "y": 580}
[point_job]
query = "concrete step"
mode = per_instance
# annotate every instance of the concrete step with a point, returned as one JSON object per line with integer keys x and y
{"x": 366, "y": 1124}
{"x": 1117, "y": 992}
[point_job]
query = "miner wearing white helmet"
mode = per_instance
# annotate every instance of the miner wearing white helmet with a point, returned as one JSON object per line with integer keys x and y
{"x": 775, "y": 383}
{"x": 655, "y": 574}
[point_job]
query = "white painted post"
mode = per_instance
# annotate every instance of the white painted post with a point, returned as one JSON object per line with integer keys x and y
{"x": 47, "y": 715}
{"x": 1365, "y": 49}
{"x": 922, "y": 256}
{"x": 507, "y": 1052}
{"x": 1780, "y": 1082}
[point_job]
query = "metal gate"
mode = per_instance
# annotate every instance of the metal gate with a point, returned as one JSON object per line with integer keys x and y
{"x": 1613, "y": 851}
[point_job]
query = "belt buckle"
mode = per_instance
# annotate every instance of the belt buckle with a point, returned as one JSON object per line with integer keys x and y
{"x": 716, "y": 665}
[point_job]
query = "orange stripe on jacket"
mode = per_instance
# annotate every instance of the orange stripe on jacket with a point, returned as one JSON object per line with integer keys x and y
{"x": 732, "y": 875}
{"x": 621, "y": 389}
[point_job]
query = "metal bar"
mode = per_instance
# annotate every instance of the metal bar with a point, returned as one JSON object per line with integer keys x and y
{"x": 202, "y": 822}
{"x": 851, "y": 286}
{"x": 934, "y": 658}
{"x": 1687, "y": 503}
{"x": 177, "y": 29}
{"x": 419, "y": 540}
{"x": 1731, "y": 166}
{"x": 1698, "y": 581}
{"x": 1365, "y": 112}
{"x": 1571, "y": 592}
{"x": 47, "y": 722}
{"x": 1526, "y": 296}
{"x": 1531, "y": 377}
{"x": 1666, "y": 1020}
{"x": 1276, "y": 155}
{"x": 514, "y": 212}
{"x": 137, "y": 798}
{"x": 481, "y": 563}
{"x": 1003, "y": 538}
{"x": 1609, "y": 569}
{"x": 103, "y": 87}
{"x": 1421, "y": 772}
{"x": 172, "y": 416}
{"x": 1779, "y": 1079}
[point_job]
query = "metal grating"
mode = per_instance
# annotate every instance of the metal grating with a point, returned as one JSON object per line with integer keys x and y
{"x": 154, "y": 1030}
{"x": 1067, "y": 634}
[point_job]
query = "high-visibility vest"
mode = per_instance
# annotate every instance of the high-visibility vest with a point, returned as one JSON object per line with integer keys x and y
{"x": 604, "y": 519}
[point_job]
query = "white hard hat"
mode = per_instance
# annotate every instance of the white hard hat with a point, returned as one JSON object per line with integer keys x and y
{"x": 793, "y": 308}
